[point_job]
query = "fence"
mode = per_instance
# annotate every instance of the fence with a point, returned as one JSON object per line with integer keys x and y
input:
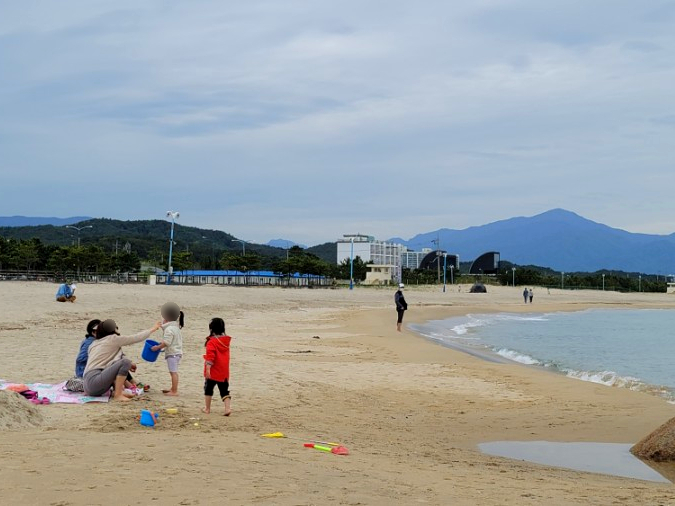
{"x": 82, "y": 277}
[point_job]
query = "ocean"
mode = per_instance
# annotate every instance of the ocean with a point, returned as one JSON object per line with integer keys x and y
{"x": 624, "y": 348}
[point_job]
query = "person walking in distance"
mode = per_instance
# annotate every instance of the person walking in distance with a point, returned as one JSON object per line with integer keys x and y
{"x": 531, "y": 295}
{"x": 401, "y": 306}
{"x": 526, "y": 294}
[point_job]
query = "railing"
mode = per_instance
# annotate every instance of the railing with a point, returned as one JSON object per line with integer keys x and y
{"x": 82, "y": 277}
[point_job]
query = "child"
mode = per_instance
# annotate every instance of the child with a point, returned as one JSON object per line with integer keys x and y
{"x": 83, "y": 355}
{"x": 172, "y": 342}
{"x": 217, "y": 365}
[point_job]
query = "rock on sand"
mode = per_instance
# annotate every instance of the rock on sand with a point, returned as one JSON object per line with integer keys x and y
{"x": 659, "y": 445}
{"x": 16, "y": 412}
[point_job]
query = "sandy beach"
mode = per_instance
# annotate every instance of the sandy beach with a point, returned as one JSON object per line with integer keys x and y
{"x": 313, "y": 364}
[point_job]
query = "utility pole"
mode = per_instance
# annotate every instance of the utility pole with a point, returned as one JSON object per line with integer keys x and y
{"x": 174, "y": 216}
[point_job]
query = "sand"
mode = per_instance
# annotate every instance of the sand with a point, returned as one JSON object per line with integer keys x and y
{"x": 313, "y": 364}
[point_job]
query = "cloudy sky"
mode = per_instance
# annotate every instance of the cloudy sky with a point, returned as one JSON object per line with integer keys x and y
{"x": 307, "y": 119}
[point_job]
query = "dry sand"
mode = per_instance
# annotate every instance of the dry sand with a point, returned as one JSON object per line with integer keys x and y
{"x": 411, "y": 412}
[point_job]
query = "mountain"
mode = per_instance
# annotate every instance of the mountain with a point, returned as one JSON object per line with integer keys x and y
{"x": 32, "y": 221}
{"x": 558, "y": 239}
{"x": 143, "y": 236}
{"x": 284, "y": 244}
{"x": 326, "y": 251}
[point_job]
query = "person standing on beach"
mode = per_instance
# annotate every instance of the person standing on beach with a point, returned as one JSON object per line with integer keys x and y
{"x": 526, "y": 294}
{"x": 217, "y": 366}
{"x": 173, "y": 320}
{"x": 401, "y": 305}
{"x": 531, "y": 295}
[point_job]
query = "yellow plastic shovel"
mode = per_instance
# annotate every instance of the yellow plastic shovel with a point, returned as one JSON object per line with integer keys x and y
{"x": 282, "y": 435}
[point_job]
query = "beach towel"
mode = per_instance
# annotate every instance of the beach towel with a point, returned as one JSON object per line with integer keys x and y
{"x": 56, "y": 394}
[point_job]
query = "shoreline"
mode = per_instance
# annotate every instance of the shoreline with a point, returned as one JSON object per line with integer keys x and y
{"x": 325, "y": 365}
{"x": 488, "y": 354}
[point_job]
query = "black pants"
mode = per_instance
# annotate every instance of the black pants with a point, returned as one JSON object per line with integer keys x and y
{"x": 223, "y": 387}
{"x": 400, "y": 315}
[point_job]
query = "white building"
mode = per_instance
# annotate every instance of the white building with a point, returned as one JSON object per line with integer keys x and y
{"x": 412, "y": 259}
{"x": 370, "y": 250}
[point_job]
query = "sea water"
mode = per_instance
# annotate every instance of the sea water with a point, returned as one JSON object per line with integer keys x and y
{"x": 625, "y": 348}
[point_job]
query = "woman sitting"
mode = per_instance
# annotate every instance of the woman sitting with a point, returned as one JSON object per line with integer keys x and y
{"x": 106, "y": 366}
{"x": 83, "y": 355}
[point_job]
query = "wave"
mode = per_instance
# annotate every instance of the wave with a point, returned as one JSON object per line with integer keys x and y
{"x": 607, "y": 378}
{"x": 525, "y": 340}
{"x": 518, "y": 357}
{"x": 462, "y": 326}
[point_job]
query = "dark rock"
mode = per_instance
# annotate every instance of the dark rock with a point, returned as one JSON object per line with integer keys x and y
{"x": 659, "y": 445}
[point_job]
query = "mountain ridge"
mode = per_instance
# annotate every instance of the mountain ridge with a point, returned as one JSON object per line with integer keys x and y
{"x": 559, "y": 239}
{"x": 33, "y": 221}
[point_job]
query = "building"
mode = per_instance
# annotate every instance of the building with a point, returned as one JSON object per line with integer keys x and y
{"x": 487, "y": 263}
{"x": 370, "y": 250}
{"x": 412, "y": 259}
{"x": 250, "y": 278}
{"x": 380, "y": 274}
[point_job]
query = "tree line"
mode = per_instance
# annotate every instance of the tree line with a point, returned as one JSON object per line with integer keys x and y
{"x": 34, "y": 255}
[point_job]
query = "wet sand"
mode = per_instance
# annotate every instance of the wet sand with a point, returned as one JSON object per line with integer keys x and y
{"x": 313, "y": 364}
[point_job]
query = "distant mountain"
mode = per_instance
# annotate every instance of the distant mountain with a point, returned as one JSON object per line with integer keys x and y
{"x": 558, "y": 239}
{"x": 326, "y": 251}
{"x": 284, "y": 244}
{"x": 33, "y": 221}
{"x": 143, "y": 237}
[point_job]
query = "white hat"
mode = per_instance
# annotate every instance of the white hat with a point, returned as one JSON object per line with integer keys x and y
{"x": 401, "y": 285}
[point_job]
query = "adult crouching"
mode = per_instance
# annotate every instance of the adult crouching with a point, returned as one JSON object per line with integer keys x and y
{"x": 106, "y": 365}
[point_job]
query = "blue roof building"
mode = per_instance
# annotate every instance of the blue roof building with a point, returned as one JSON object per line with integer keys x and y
{"x": 249, "y": 278}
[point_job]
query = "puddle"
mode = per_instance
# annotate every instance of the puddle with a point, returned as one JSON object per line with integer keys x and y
{"x": 604, "y": 458}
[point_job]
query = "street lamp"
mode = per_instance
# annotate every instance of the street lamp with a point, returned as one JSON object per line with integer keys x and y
{"x": 243, "y": 246}
{"x": 513, "y": 271}
{"x": 351, "y": 265}
{"x": 452, "y": 279}
{"x": 445, "y": 268}
{"x": 79, "y": 229}
{"x": 174, "y": 216}
{"x": 603, "y": 282}
{"x": 562, "y": 280}
{"x": 640, "y": 283}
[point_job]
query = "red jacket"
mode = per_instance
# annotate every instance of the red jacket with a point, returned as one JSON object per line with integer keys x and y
{"x": 218, "y": 357}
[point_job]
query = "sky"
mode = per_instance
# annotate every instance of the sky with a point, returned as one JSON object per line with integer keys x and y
{"x": 308, "y": 120}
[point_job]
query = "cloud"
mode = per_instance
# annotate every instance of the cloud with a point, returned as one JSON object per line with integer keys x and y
{"x": 276, "y": 118}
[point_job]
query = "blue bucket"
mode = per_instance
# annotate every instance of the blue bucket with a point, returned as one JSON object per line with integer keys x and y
{"x": 148, "y": 418}
{"x": 148, "y": 355}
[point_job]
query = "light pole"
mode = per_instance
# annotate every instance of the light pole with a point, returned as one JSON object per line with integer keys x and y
{"x": 351, "y": 265}
{"x": 640, "y": 283}
{"x": 562, "y": 280}
{"x": 603, "y": 282}
{"x": 79, "y": 229}
{"x": 243, "y": 246}
{"x": 174, "y": 216}
{"x": 513, "y": 271}
{"x": 452, "y": 279}
{"x": 445, "y": 268}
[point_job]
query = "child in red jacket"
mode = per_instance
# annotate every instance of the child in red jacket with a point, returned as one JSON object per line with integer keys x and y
{"x": 217, "y": 365}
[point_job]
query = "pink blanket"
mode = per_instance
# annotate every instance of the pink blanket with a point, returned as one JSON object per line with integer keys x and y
{"x": 56, "y": 393}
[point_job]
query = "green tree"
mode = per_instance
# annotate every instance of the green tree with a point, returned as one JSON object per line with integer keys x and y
{"x": 242, "y": 263}
{"x": 360, "y": 269}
